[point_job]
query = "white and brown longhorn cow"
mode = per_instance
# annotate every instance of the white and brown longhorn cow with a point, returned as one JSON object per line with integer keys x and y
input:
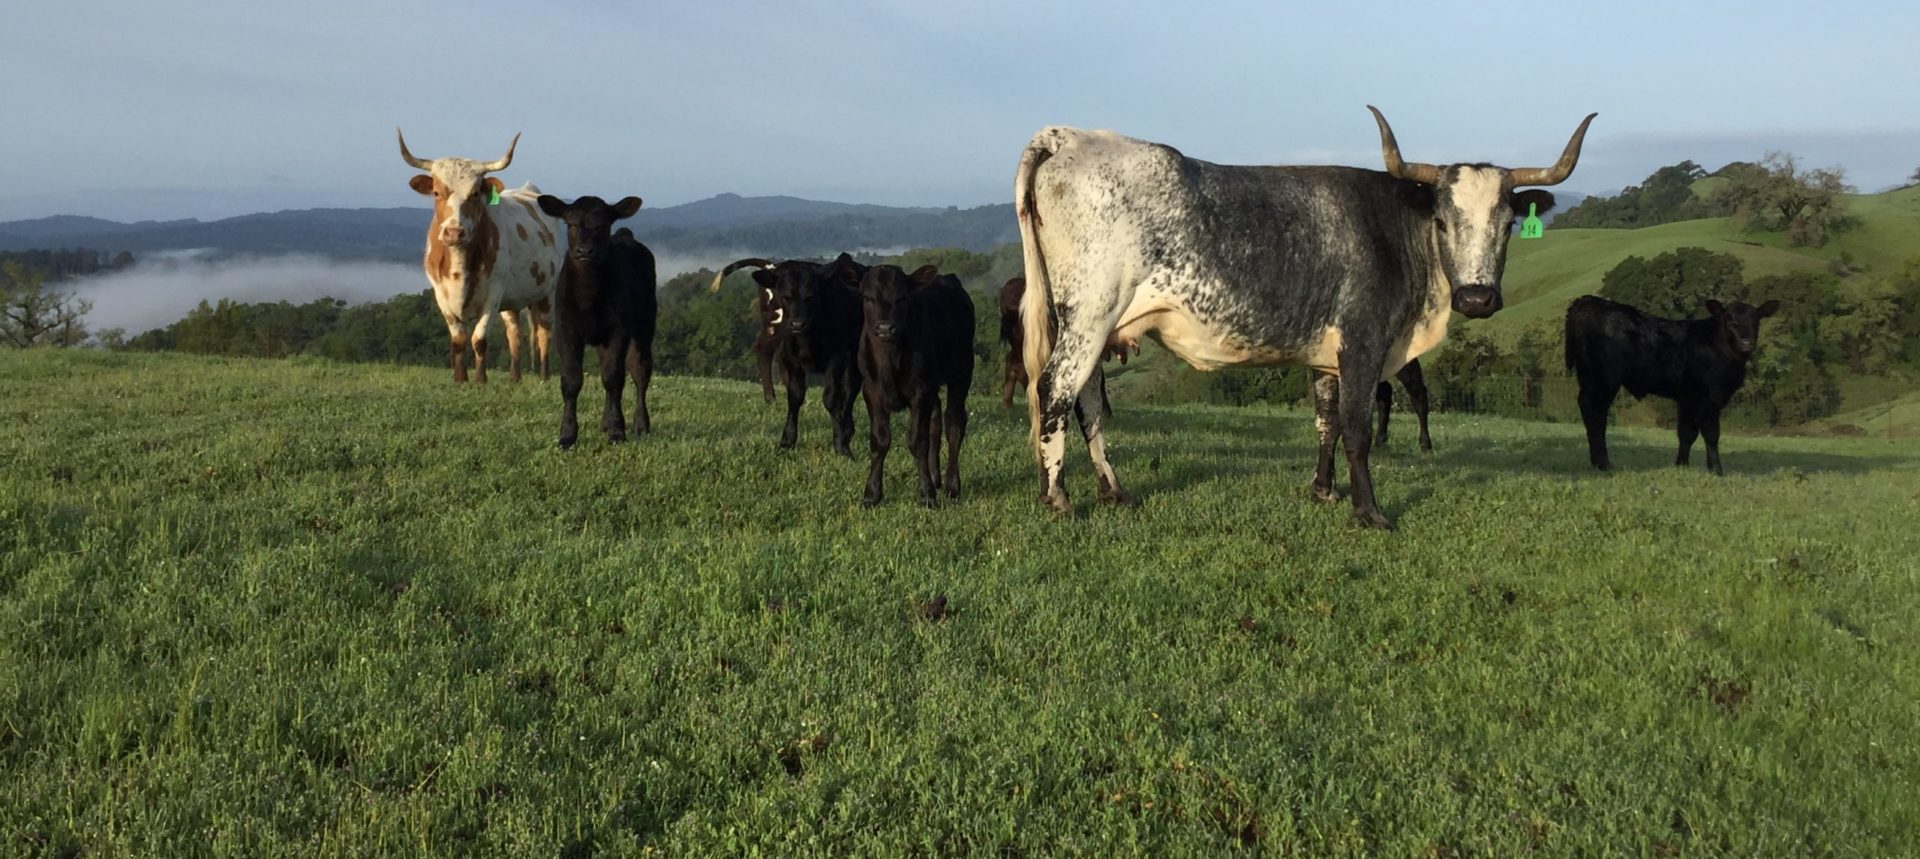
{"x": 484, "y": 258}
{"x": 1348, "y": 271}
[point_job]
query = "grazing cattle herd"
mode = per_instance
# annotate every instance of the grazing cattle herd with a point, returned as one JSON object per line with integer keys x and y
{"x": 1353, "y": 273}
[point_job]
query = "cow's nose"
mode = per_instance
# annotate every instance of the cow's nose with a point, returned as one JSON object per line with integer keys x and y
{"x": 1477, "y": 301}
{"x": 883, "y": 330}
{"x": 453, "y": 235}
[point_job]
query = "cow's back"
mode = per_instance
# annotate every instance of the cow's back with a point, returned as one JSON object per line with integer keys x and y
{"x": 1618, "y": 345}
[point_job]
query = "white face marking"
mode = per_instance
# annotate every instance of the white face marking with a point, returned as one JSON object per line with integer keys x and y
{"x": 462, "y": 178}
{"x": 1472, "y": 225}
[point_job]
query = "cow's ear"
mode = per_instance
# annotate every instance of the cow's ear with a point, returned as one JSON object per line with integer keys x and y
{"x": 764, "y": 277}
{"x": 626, "y": 208}
{"x": 925, "y": 274}
{"x": 422, "y": 183}
{"x": 1768, "y": 309}
{"x": 1716, "y": 308}
{"x": 1542, "y": 201}
{"x": 553, "y": 206}
{"x": 495, "y": 185}
{"x": 847, "y": 272}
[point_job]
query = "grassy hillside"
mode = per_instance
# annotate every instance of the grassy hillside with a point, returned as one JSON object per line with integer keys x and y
{"x": 260, "y": 608}
{"x": 1543, "y": 275}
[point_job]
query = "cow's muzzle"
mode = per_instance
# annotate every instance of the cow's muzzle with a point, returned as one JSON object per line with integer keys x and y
{"x": 1477, "y": 302}
{"x": 885, "y": 331}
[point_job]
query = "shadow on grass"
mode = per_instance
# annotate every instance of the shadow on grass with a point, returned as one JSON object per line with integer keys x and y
{"x": 1567, "y": 455}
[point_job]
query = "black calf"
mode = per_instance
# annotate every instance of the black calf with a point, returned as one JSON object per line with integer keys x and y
{"x": 1697, "y": 363}
{"x": 605, "y": 296}
{"x": 917, "y": 337}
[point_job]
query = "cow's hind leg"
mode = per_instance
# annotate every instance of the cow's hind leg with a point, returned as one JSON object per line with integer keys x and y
{"x": 1383, "y": 404}
{"x": 542, "y": 335}
{"x": 510, "y": 319}
{"x": 1092, "y": 411}
{"x": 926, "y": 411}
{"x": 849, "y": 376}
{"x": 1359, "y": 375}
{"x": 1688, "y": 430}
{"x": 613, "y": 380}
{"x": 1056, "y": 393}
{"x": 956, "y": 432}
{"x": 1595, "y": 400}
{"x": 1416, "y": 384}
{"x": 640, "y": 367}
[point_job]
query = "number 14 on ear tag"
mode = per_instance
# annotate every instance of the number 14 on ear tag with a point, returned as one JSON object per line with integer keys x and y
{"x": 1531, "y": 228}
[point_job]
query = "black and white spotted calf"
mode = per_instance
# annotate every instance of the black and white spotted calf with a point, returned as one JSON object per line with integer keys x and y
{"x": 1697, "y": 363}
{"x": 813, "y": 326}
{"x": 1416, "y": 384}
{"x": 604, "y": 297}
{"x": 1351, "y": 272}
{"x": 917, "y": 338}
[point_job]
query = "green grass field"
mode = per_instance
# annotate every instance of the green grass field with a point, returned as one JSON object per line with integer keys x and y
{"x": 267, "y": 608}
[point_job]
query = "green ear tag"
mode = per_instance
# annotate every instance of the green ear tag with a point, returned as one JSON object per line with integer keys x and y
{"x": 493, "y": 197}
{"x": 1531, "y": 228}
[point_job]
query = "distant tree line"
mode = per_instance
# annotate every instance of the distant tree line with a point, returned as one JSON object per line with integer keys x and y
{"x": 1776, "y": 195}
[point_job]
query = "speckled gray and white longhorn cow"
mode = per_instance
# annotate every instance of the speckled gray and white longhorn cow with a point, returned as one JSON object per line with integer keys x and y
{"x": 1348, "y": 271}
{"x": 484, "y": 259}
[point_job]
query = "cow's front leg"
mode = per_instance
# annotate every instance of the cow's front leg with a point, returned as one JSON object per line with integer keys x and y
{"x": 459, "y": 340}
{"x": 480, "y": 352}
{"x": 613, "y": 380}
{"x": 879, "y": 442}
{"x": 796, "y": 397}
{"x": 1091, "y": 409}
{"x": 1710, "y": 431}
{"x": 572, "y": 376}
{"x": 1326, "y": 423}
{"x": 1358, "y": 376}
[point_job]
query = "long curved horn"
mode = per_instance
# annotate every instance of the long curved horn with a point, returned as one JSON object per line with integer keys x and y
{"x": 753, "y": 262}
{"x": 1559, "y": 172}
{"x": 506, "y": 159}
{"x": 1390, "y": 150}
{"x": 416, "y": 163}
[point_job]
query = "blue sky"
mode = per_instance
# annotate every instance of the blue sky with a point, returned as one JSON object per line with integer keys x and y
{"x": 215, "y": 108}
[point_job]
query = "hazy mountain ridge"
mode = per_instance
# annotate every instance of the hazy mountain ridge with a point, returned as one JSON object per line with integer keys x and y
{"x": 786, "y": 226}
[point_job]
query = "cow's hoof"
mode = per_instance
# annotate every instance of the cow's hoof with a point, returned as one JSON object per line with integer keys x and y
{"x": 786, "y": 444}
{"x": 1116, "y": 498}
{"x": 870, "y": 500}
{"x": 1372, "y": 519}
{"x": 1324, "y": 494}
{"x": 1057, "y": 502}
{"x": 953, "y": 490}
{"x": 930, "y": 500}
{"x": 566, "y": 443}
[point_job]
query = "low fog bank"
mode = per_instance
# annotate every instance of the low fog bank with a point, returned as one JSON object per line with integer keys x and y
{"x": 160, "y": 290}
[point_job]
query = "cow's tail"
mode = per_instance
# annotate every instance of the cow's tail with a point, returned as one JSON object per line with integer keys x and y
{"x": 750, "y": 262}
{"x": 1036, "y": 306}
